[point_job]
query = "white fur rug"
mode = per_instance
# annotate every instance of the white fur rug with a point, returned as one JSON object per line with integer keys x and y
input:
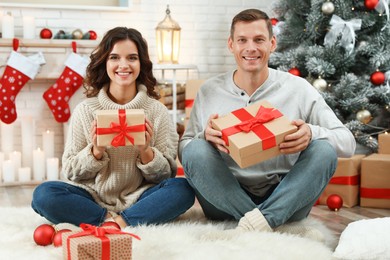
{"x": 186, "y": 238}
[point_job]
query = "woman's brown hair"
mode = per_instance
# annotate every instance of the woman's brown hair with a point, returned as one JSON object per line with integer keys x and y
{"x": 96, "y": 74}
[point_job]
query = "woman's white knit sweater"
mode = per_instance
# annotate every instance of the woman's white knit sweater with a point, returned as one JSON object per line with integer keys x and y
{"x": 119, "y": 178}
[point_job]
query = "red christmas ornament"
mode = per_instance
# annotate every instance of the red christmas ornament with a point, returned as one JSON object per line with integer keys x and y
{"x": 57, "y": 239}
{"x": 295, "y": 72}
{"x": 46, "y": 33}
{"x": 274, "y": 21}
{"x": 111, "y": 224}
{"x": 92, "y": 35}
{"x": 334, "y": 202}
{"x": 377, "y": 78}
{"x": 43, "y": 234}
{"x": 370, "y": 4}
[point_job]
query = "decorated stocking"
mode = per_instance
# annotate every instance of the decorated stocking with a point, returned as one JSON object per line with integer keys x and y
{"x": 71, "y": 79}
{"x": 18, "y": 71}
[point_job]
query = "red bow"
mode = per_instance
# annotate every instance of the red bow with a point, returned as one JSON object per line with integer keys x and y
{"x": 100, "y": 233}
{"x": 122, "y": 129}
{"x": 262, "y": 116}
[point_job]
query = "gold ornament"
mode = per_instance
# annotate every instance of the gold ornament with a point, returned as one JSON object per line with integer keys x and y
{"x": 320, "y": 84}
{"x": 327, "y": 7}
{"x": 364, "y": 116}
{"x": 77, "y": 34}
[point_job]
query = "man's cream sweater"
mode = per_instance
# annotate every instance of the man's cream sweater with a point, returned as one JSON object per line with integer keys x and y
{"x": 119, "y": 178}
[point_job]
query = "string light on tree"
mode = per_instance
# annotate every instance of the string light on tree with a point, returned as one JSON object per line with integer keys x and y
{"x": 377, "y": 78}
{"x": 295, "y": 71}
{"x": 364, "y": 116}
{"x": 320, "y": 84}
{"x": 327, "y": 7}
{"x": 370, "y": 4}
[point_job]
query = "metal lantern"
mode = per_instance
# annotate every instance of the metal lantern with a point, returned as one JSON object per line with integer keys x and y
{"x": 168, "y": 39}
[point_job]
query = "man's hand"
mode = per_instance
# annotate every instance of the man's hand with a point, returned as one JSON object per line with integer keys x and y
{"x": 214, "y": 136}
{"x": 297, "y": 141}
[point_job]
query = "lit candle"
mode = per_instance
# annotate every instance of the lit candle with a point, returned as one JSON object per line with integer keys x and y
{"x": 7, "y": 137}
{"x": 38, "y": 165}
{"x": 27, "y": 128}
{"x": 48, "y": 143}
{"x": 52, "y": 168}
{"x": 28, "y": 27}
{"x": 24, "y": 174}
{"x": 8, "y": 171}
{"x": 8, "y": 26}
{"x": 16, "y": 158}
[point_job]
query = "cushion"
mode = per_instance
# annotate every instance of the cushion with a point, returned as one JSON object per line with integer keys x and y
{"x": 365, "y": 239}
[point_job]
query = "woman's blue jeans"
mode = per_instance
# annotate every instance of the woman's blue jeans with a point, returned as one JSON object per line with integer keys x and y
{"x": 61, "y": 202}
{"x": 222, "y": 197}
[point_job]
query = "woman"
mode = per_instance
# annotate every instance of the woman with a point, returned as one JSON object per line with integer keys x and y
{"x": 130, "y": 185}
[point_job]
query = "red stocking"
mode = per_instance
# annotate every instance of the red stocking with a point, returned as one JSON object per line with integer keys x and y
{"x": 58, "y": 95}
{"x": 18, "y": 71}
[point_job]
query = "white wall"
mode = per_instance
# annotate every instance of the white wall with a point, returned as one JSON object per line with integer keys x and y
{"x": 205, "y": 28}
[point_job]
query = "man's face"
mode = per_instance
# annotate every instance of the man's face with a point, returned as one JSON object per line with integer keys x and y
{"x": 251, "y": 45}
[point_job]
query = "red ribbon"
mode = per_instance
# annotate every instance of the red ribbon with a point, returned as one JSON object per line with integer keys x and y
{"x": 122, "y": 129}
{"x": 254, "y": 124}
{"x": 374, "y": 193}
{"x": 189, "y": 103}
{"x": 345, "y": 180}
{"x": 100, "y": 233}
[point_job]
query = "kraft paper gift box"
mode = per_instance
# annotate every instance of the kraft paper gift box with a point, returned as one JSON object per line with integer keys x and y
{"x": 192, "y": 87}
{"x": 120, "y": 127}
{"x": 253, "y": 133}
{"x": 375, "y": 181}
{"x": 345, "y": 181}
{"x": 93, "y": 243}
{"x": 384, "y": 143}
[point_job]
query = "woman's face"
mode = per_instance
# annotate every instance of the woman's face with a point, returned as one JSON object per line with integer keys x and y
{"x": 123, "y": 64}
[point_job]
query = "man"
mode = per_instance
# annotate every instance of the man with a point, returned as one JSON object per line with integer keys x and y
{"x": 280, "y": 190}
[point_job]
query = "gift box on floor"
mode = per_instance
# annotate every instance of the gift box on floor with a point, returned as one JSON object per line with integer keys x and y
{"x": 253, "y": 133}
{"x": 94, "y": 243}
{"x": 375, "y": 181}
{"x": 192, "y": 87}
{"x": 345, "y": 181}
{"x": 120, "y": 127}
{"x": 384, "y": 143}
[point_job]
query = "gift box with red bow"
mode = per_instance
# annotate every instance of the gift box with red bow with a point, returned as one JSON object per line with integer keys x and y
{"x": 252, "y": 134}
{"x": 105, "y": 243}
{"x": 345, "y": 181}
{"x": 120, "y": 127}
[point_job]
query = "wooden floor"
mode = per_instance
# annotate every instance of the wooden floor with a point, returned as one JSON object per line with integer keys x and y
{"x": 19, "y": 196}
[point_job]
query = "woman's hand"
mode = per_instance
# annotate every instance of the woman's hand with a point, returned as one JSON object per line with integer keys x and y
{"x": 146, "y": 152}
{"x": 97, "y": 151}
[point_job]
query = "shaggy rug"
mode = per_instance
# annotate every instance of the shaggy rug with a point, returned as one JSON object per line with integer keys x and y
{"x": 186, "y": 238}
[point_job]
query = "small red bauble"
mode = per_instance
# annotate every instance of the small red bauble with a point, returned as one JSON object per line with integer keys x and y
{"x": 46, "y": 33}
{"x": 43, "y": 234}
{"x": 111, "y": 224}
{"x": 377, "y": 78}
{"x": 334, "y": 202}
{"x": 57, "y": 239}
{"x": 370, "y": 4}
{"x": 295, "y": 72}
{"x": 92, "y": 35}
{"x": 274, "y": 21}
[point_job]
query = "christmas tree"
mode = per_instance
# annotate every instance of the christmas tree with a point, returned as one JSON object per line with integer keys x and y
{"x": 342, "y": 47}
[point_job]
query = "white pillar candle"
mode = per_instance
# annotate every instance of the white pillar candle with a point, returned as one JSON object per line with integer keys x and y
{"x": 39, "y": 165}
{"x": 7, "y": 137}
{"x": 8, "y": 26}
{"x": 8, "y": 171}
{"x": 1, "y": 164}
{"x": 48, "y": 143}
{"x": 16, "y": 158}
{"x": 24, "y": 174}
{"x": 27, "y": 126}
{"x": 28, "y": 27}
{"x": 52, "y": 168}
